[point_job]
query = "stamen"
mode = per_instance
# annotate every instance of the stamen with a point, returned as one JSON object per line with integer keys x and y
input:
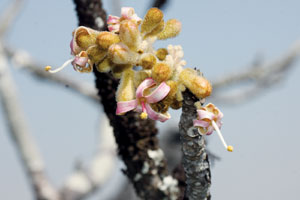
{"x": 48, "y": 68}
{"x": 144, "y": 114}
{"x": 229, "y": 148}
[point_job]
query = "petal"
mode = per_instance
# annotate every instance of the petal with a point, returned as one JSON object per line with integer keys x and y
{"x": 81, "y": 61}
{"x": 148, "y": 82}
{"x": 127, "y": 12}
{"x": 113, "y": 19}
{"x": 136, "y": 18}
{"x": 200, "y": 123}
{"x": 155, "y": 115}
{"x": 125, "y": 106}
{"x": 210, "y": 130}
{"x": 205, "y": 114}
{"x": 159, "y": 93}
{"x": 114, "y": 28}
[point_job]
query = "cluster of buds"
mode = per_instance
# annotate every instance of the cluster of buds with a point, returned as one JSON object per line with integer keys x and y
{"x": 151, "y": 80}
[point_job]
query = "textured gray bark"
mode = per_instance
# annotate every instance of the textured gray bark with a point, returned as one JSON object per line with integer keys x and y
{"x": 195, "y": 160}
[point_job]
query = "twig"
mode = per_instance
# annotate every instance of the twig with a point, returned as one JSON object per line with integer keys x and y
{"x": 136, "y": 138}
{"x": 195, "y": 160}
{"x": 20, "y": 134}
{"x": 161, "y": 4}
{"x": 16, "y": 122}
{"x": 84, "y": 181}
{"x": 27, "y": 62}
{"x": 9, "y": 15}
{"x": 260, "y": 77}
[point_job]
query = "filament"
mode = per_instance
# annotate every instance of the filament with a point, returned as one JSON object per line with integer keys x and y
{"x": 48, "y": 68}
{"x": 229, "y": 148}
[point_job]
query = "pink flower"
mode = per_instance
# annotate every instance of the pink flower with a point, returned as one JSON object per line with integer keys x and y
{"x": 206, "y": 115}
{"x": 126, "y": 13}
{"x": 142, "y": 101}
{"x": 209, "y": 119}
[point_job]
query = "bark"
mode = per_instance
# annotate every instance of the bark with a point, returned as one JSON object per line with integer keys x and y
{"x": 195, "y": 160}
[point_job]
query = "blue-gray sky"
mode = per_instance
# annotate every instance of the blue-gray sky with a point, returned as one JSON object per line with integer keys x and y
{"x": 218, "y": 37}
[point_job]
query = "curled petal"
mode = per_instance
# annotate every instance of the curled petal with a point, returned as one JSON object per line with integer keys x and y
{"x": 113, "y": 19}
{"x": 159, "y": 93}
{"x": 209, "y": 130}
{"x": 127, "y": 12}
{"x": 148, "y": 82}
{"x": 114, "y": 28}
{"x": 125, "y": 106}
{"x": 81, "y": 61}
{"x": 200, "y": 123}
{"x": 205, "y": 114}
{"x": 155, "y": 115}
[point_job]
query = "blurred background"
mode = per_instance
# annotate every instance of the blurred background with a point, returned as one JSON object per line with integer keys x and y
{"x": 222, "y": 39}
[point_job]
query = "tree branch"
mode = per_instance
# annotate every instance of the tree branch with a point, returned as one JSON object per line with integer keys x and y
{"x": 27, "y": 62}
{"x": 85, "y": 180}
{"x": 195, "y": 160}
{"x": 259, "y": 77}
{"x": 20, "y": 134}
{"x": 136, "y": 138}
{"x": 161, "y": 4}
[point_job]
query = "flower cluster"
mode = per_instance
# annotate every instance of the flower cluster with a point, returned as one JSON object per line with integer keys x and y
{"x": 151, "y": 80}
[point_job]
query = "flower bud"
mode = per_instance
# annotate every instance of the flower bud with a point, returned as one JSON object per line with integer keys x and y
{"x": 105, "y": 39}
{"x": 198, "y": 85}
{"x": 105, "y": 65}
{"x": 120, "y": 54}
{"x": 172, "y": 29}
{"x": 148, "y": 61}
{"x": 126, "y": 89}
{"x": 129, "y": 34}
{"x": 153, "y": 17}
{"x": 117, "y": 70}
{"x": 161, "y": 53}
{"x": 96, "y": 54}
{"x": 139, "y": 77}
{"x": 83, "y": 38}
{"x": 161, "y": 72}
{"x": 159, "y": 28}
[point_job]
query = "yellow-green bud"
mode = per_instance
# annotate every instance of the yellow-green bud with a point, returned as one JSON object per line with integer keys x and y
{"x": 153, "y": 17}
{"x": 126, "y": 90}
{"x": 198, "y": 85}
{"x": 129, "y": 33}
{"x": 105, "y": 65}
{"x": 96, "y": 54}
{"x": 148, "y": 61}
{"x": 161, "y": 53}
{"x": 120, "y": 54}
{"x": 172, "y": 29}
{"x": 161, "y": 72}
{"x": 105, "y": 39}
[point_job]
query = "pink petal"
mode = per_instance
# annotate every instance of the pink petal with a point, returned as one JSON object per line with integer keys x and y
{"x": 127, "y": 12}
{"x": 114, "y": 28}
{"x": 113, "y": 19}
{"x": 136, "y": 18}
{"x": 205, "y": 114}
{"x": 155, "y": 115}
{"x": 159, "y": 93}
{"x": 148, "y": 82}
{"x": 81, "y": 61}
{"x": 200, "y": 123}
{"x": 125, "y": 106}
{"x": 210, "y": 130}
